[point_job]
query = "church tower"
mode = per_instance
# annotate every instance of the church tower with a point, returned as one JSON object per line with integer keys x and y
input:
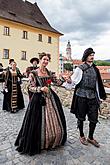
{"x": 68, "y": 51}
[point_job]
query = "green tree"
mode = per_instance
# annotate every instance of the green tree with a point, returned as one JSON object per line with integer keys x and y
{"x": 68, "y": 66}
{"x": 102, "y": 63}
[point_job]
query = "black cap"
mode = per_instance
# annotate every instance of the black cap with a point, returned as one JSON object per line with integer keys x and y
{"x": 34, "y": 59}
{"x": 11, "y": 60}
{"x": 86, "y": 53}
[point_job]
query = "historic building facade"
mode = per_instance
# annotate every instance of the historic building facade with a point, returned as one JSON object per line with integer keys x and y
{"x": 24, "y": 33}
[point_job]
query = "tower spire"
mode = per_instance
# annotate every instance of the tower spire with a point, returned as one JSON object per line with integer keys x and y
{"x": 68, "y": 51}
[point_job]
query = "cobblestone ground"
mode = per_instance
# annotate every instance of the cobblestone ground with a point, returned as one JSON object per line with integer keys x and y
{"x": 73, "y": 153}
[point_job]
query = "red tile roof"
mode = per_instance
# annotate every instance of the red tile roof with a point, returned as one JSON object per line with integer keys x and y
{"x": 105, "y": 76}
{"x": 103, "y": 67}
{"x": 77, "y": 62}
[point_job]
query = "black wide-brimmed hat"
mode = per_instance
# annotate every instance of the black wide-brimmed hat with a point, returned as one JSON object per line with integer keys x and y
{"x": 86, "y": 53}
{"x": 34, "y": 59}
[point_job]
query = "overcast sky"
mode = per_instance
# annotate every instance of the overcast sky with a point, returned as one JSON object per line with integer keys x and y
{"x": 84, "y": 23}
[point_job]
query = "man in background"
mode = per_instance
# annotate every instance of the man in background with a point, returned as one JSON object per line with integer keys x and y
{"x": 34, "y": 61}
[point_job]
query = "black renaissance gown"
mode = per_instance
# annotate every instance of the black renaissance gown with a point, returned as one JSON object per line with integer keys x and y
{"x": 44, "y": 125}
{"x": 13, "y": 97}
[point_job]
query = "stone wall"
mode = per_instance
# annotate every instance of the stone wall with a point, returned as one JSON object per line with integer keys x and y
{"x": 66, "y": 99}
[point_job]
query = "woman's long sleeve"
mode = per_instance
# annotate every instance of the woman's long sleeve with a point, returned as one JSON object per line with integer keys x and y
{"x": 32, "y": 84}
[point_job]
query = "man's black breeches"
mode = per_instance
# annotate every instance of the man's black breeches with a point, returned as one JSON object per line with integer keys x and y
{"x": 87, "y": 107}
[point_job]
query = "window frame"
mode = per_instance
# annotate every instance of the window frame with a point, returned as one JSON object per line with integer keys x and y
{"x": 40, "y": 37}
{"x": 49, "y": 39}
{"x": 6, "y": 31}
{"x": 25, "y": 34}
{"x": 23, "y": 55}
{"x": 6, "y": 54}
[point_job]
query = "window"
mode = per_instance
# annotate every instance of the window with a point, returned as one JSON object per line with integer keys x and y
{"x": 25, "y": 35}
{"x": 23, "y": 55}
{"x": 6, "y": 31}
{"x": 39, "y": 37}
{"x": 6, "y": 53}
{"x": 49, "y": 40}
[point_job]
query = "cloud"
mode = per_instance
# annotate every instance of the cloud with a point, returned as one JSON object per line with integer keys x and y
{"x": 81, "y": 22}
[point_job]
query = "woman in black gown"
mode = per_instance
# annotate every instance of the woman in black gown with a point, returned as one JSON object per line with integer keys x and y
{"x": 44, "y": 125}
{"x": 13, "y": 97}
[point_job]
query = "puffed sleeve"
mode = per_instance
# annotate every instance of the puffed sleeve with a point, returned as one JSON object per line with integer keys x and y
{"x": 32, "y": 84}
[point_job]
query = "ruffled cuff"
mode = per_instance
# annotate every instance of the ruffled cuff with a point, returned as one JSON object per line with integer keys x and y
{"x": 35, "y": 89}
